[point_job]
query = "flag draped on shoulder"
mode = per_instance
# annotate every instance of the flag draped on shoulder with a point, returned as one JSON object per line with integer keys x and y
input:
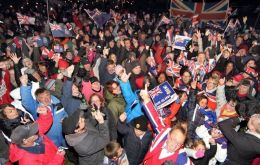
{"x": 60, "y": 31}
{"x": 216, "y": 11}
{"x": 100, "y": 18}
{"x": 25, "y": 20}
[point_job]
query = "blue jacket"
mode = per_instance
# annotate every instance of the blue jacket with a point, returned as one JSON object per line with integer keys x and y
{"x": 69, "y": 103}
{"x": 31, "y": 105}
{"x": 133, "y": 107}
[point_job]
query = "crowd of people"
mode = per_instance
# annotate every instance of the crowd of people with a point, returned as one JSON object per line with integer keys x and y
{"x": 90, "y": 105}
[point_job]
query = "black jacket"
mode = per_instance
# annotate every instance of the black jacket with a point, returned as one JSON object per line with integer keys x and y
{"x": 135, "y": 147}
{"x": 210, "y": 153}
{"x": 242, "y": 147}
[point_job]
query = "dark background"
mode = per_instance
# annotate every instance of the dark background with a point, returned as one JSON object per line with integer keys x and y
{"x": 245, "y": 7}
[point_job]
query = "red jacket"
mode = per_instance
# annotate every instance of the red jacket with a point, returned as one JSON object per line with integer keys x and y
{"x": 5, "y": 85}
{"x": 48, "y": 158}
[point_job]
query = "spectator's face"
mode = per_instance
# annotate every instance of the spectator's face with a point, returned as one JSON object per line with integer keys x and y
{"x": 113, "y": 57}
{"x": 175, "y": 140}
{"x": 10, "y": 113}
{"x": 116, "y": 89}
{"x": 138, "y": 132}
{"x": 111, "y": 68}
{"x": 201, "y": 58}
{"x": 203, "y": 103}
{"x": 111, "y": 44}
{"x": 253, "y": 123}
{"x": 87, "y": 67}
{"x": 215, "y": 133}
{"x": 161, "y": 78}
{"x": 95, "y": 101}
{"x": 186, "y": 77}
{"x": 28, "y": 63}
{"x": 211, "y": 84}
{"x": 200, "y": 147}
{"x": 69, "y": 55}
{"x": 137, "y": 70}
{"x": 157, "y": 38}
{"x": 239, "y": 41}
{"x": 243, "y": 89}
{"x": 42, "y": 68}
{"x": 229, "y": 67}
{"x": 251, "y": 64}
{"x": 44, "y": 98}
{"x": 96, "y": 86}
{"x": 127, "y": 44}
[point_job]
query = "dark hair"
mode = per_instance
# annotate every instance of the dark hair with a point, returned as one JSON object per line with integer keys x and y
{"x": 198, "y": 142}
{"x": 2, "y": 107}
{"x": 102, "y": 100}
{"x": 40, "y": 91}
{"x": 111, "y": 149}
{"x": 109, "y": 84}
{"x": 110, "y": 62}
{"x": 201, "y": 97}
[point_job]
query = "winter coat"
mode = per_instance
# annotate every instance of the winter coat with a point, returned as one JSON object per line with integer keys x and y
{"x": 133, "y": 107}
{"x": 70, "y": 103}
{"x": 58, "y": 113}
{"x": 90, "y": 144}
{"x": 49, "y": 157}
{"x": 5, "y": 87}
{"x": 135, "y": 147}
{"x": 242, "y": 147}
{"x": 87, "y": 91}
{"x": 104, "y": 76}
{"x": 115, "y": 103}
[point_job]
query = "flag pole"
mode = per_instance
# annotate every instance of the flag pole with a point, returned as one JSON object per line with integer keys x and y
{"x": 48, "y": 17}
{"x": 257, "y": 20}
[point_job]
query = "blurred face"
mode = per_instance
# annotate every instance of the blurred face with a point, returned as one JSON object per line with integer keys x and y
{"x": 28, "y": 63}
{"x": 116, "y": 89}
{"x": 242, "y": 89}
{"x": 229, "y": 67}
{"x": 239, "y": 41}
{"x": 203, "y": 103}
{"x": 10, "y": 113}
{"x": 161, "y": 78}
{"x": 96, "y": 86}
{"x": 111, "y": 44}
{"x": 95, "y": 101}
{"x": 211, "y": 84}
{"x": 137, "y": 70}
{"x": 175, "y": 140}
{"x": 253, "y": 123}
{"x": 87, "y": 67}
{"x": 111, "y": 69}
{"x": 215, "y": 133}
{"x": 251, "y": 64}
{"x": 69, "y": 55}
{"x": 127, "y": 44}
{"x": 200, "y": 147}
{"x": 138, "y": 132}
{"x": 113, "y": 57}
{"x": 44, "y": 98}
{"x": 186, "y": 77}
{"x": 42, "y": 68}
{"x": 75, "y": 90}
{"x": 201, "y": 58}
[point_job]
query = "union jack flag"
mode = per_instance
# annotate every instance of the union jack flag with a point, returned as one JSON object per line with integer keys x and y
{"x": 25, "y": 20}
{"x": 100, "y": 18}
{"x": 206, "y": 10}
{"x": 59, "y": 31}
{"x": 155, "y": 92}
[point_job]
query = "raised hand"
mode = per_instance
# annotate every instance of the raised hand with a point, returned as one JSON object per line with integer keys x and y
{"x": 125, "y": 77}
{"x": 99, "y": 117}
{"x": 198, "y": 34}
{"x": 14, "y": 58}
{"x": 123, "y": 117}
{"x": 24, "y": 80}
{"x": 70, "y": 70}
{"x": 144, "y": 94}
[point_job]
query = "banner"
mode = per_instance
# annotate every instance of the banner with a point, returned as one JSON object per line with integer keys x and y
{"x": 163, "y": 95}
{"x": 206, "y": 11}
{"x": 181, "y": 42}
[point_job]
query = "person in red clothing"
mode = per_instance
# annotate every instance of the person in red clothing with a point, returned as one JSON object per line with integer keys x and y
{"x": 5, "y": 84}
{"x": 29, "y": 145}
